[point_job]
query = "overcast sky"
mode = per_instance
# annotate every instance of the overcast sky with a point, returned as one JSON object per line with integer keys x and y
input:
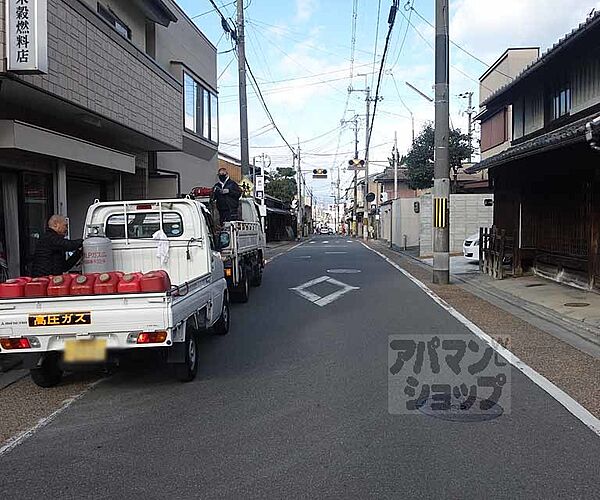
{"x": 300, "y": 52}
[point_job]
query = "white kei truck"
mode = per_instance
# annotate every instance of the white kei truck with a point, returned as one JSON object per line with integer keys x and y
{"x": 116, "y": 323}
{"x": 244, "y": 257}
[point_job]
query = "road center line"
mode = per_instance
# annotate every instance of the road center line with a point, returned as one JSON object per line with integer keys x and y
{"x": 576, "y": 409}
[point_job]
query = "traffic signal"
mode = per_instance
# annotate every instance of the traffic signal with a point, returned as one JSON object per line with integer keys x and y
{"x": 320, "y": 173}
{"x": 356, "y": 164}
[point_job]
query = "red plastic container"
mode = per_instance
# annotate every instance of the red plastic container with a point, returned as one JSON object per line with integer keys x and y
{"x": 130, "y": 283}
{"x": 13, "y": 288}
{"x": 60, "y": 286}
{"x": 83, "y": 284}
{"x": 155, "y": 281}
{"x": 107, "y": 283}
{"x": 37, "y": 287}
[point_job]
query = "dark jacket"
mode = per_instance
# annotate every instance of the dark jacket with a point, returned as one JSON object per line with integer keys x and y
{"x": 49, "y": 256}
{"x": 227, "y": 203}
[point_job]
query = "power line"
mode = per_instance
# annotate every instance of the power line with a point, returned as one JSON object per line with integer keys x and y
{"x": 462, "y": 48}
{"x": 391, "y": 21}
{"x": 209, "y": 11}
{"x": 262, "y": 100}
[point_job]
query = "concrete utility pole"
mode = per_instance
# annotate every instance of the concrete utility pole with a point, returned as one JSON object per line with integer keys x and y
{"x": 300, "y": 201}
{"x": 470, "y": 111}
{"x": 395, "y": 157}
{"x": 244, "y": 152}
{"x": 441, "y": 170}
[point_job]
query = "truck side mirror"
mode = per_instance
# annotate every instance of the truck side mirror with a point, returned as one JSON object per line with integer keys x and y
{"x": 224, "y": 239}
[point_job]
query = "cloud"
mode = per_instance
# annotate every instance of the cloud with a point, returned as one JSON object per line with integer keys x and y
{"x": 305, "y": 9}
{"x": 490, "y": 26}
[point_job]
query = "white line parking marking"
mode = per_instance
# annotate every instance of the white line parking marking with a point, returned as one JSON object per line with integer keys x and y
{"x": 558, "y": 394}
{"x": 303, "y": 291}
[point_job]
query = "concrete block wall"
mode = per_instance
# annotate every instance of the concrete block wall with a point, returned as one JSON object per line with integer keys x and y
{"x": 467, "y": 214}
{"x": 92, "y": 67}
{"x": 400, "y": 219}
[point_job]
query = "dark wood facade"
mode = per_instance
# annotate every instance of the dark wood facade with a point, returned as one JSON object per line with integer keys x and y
{"x": 550, "y": 204}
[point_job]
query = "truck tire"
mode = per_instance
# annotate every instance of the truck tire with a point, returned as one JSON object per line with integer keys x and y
{"x": 257, "y": 275}
{"x": 221, "y": 327}
{"x": 188, "y": 369}
{"x": 242, "y": 291}
{"x": 48, "y": 374}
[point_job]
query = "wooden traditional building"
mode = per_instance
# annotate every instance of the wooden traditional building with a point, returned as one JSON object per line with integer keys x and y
{"x": 545, "y": 176}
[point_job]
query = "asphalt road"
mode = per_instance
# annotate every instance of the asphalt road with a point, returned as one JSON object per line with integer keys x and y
{"x": 294, "y": 403}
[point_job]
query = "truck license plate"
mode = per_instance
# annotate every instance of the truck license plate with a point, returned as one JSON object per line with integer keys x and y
{"x": 85, "y": 351}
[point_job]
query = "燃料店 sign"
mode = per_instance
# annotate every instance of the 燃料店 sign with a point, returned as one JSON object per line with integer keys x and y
{"x": 27, "y": 36}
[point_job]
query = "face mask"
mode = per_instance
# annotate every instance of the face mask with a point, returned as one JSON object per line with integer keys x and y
{"x": 222, "y": 177}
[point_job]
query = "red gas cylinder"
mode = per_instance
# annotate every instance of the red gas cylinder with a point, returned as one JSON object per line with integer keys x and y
{"x": 130, "y": 283}
{"x": 60, "y": 286}
{"x": 13, "y": 288}
{"x": 155, "y": 281}
{"x": 37, "y": 287}
{"x": 107, "y": 283}
{"x": 83, "y": 284}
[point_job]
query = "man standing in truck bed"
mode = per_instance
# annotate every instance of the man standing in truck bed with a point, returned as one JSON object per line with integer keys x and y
{"x": 227, "y": 194}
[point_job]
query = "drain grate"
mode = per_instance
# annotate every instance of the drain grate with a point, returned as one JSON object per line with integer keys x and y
{"x": 576, "y": 304}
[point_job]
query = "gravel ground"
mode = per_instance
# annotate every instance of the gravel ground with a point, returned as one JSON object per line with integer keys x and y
{"x": 23, "y": 403}
{"x": 575, "y": 372}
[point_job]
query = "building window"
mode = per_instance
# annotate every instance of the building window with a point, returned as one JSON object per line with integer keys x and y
{"x": 200, "y": 109}
{"x": 493, "y": 131}
{"x": 111, "y": 18}
{"x": 561, "y": 102}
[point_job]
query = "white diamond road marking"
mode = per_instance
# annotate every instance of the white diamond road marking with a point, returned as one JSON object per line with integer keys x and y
{"x": 303, "y": 291}
{"x": 344, "y": 271}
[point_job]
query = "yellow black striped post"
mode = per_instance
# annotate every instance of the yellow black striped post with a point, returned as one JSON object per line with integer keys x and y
{"x": 440, "y": 212}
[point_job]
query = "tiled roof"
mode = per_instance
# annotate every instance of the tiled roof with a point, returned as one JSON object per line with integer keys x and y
{"x": 589, "y": 23}
{"x": 569, "y": 134}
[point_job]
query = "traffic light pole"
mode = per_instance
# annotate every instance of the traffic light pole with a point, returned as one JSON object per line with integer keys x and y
{"x": 441, "y": 171}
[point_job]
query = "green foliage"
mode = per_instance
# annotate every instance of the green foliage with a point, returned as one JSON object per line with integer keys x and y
{"x": 282, "y": 184}
{"x": 419, "y": 160}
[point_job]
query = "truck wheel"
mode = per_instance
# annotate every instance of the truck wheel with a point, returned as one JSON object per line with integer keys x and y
{"x": 242, "y": 291}
{"x": 49, "y": 373}
{"x": 221, "y": 327}
{"x": 187, "y": 370}
{"x": 257, "y": 276}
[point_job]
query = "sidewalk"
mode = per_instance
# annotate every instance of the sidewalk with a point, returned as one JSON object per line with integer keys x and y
{"x": 553, "y": 348}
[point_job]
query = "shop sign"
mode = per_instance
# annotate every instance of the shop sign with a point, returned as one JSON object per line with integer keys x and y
{"x": 27, "y": 36}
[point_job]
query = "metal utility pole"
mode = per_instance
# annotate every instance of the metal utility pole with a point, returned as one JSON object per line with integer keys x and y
{"x": 366, "y": 203}
{"x": 441, "y": 170}
{"x": 244, "y": 153}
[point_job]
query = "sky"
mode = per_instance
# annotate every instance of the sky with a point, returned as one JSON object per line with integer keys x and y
{"x": 301, "y": 53}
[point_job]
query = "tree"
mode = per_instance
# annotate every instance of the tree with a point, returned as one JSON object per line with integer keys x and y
{"x": 419, "y": 160}
{"x": 282, "y": 184}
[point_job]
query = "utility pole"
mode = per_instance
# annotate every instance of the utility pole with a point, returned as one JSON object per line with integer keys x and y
{"x": 470, "y": 111}
{"x": 395, "y": 158}
{"x": 300, "y": 201}
{"x": 366, "y": 203}
{"x": 441, "y": 171}
{"x": 244, "y": 153}
{"x": 354, "y": 121}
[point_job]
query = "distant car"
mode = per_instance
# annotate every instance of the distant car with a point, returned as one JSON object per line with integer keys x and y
{"x": 471, "y": 248}
{"x": 324, "y": 230}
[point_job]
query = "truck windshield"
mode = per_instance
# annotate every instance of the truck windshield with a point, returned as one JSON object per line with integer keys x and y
{"x": 142, "y": 225}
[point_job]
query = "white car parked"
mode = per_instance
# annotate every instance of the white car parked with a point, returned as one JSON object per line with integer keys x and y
{"x": 471, "y": 248}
